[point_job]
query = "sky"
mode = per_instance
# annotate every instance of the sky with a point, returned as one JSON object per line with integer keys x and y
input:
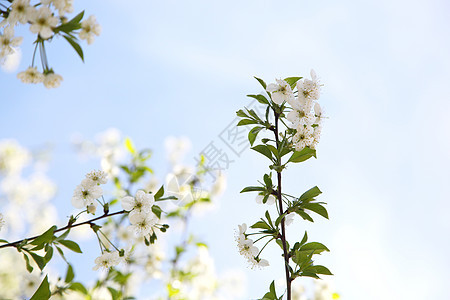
{"x": 174, "y": 68}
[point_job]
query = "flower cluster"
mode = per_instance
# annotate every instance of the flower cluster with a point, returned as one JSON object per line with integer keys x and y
{"x": 89, "y": 190}
{"x": 141, "y": 216}
{"x": 46, "y": 19}
{"x": 248, "y": 249}
{"x": 306, "y": 114}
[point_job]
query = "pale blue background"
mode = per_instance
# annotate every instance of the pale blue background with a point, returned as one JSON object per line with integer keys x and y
{"x": 184, "y": 68}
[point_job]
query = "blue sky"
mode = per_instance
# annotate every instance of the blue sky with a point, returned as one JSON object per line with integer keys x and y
{"x": 184, "y": 68}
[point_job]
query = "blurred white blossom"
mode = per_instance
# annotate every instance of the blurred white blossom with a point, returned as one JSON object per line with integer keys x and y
{"x": 31, "y": 75}
{"x": 13, "y": 157}
{"x": 89, "y": 29}
{"x": 107, "y": 260}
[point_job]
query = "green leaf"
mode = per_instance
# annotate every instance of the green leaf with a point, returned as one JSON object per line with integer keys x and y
{"x": 246, "y": 122}
{"x": 317, "y": 208}
{"x": 304, "y": 215}
{"x": 261, "y": 224}
{"x": 252, "y": 134}
{"x": 49, "y": 254}
{"x": 253, "y": 114}
{"x": 304, "y": 154}
{"x": 76, "y": 286}
{"x": 46, "y": 237}
{"x": 253, "y": 189}
{"x": 43, "y": 292}
{"x": 159, "y": 193}
{"x": 129, "y": 145}
{"x": 267, "y": 181}
{"x": 63, "y": 236}
{"x": 319, "y": 270}
{"x": 61, "y": 253}
{"x": 278, "y": 221}
{"x": 167, "y": 198}
{"x": 39, "y": 260}
{"x": 304, "y": 239}
{"x": 71, "y": 245}
{"x": 157, "y": 211}
{"x": 292, "y": 81}
{"x": 271, "y": 295}
{"x": 27, "y": 261}
{"x": 273, "y": 149}
{"x": 310, "y": 274}
{"x": 268, "y": 218}
{"x": 71, "y": 25}
{"x": 309, "y": 194}
{"x": 242, "y": 114}
{"x": 75, "y": 46}
{"x": 264, "y": 85}
{"x": 280, "y": 243}
{"x": 114, "y": 293}
{"x": 316, "y": 247}
{"x": 4, "y": 241}
{"x": 70, "y": 275}
{"x": 266, "y": 197}
{"x": 272, "y": 288}
{"x": 263, "y": 150}
{"x": 261, "y": 99}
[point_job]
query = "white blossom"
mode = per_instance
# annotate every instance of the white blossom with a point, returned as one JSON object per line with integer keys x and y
{"x": 324, "y": 291}
{"x": 13, "y": 157}
{"x": 42, "y": 22}
{"x": 318, "y": 113}
{"x": 246, "y": 248}
{"x": 31, "y": 75}
{"x": 153, "y": 262}
{"x": 125, "y": 234}
{"x": 281, "y": 91}
{"x": 270, "y": 200}
{"x": 258, "y": 263}
{"x": 219, "y": 185}
{"x": 92, "y": 208}
{"x": 316, "y": 135}
{"x": 52, "y": 80}
{"x": 298, "y": 291}
{"x": 97, "y": 177}
{"x": 63, "y": 6}
{"x": 304, "y": 137}
{"x": 8, "y": 42}
{"x": 11, "y": 62}
{"x": 128, "y": 256}
{"x": 89, "y": 29}
{"x": 107, "y": 260}
{"x": 176, "y": 148}
{"x": 289, "y": 218}
{"x": 300, "y": 115}
{"x": 85, "y": 194}
{"x": 182, "y": 192}
{"x": 142, "y": 223}
{"x": 309, "y": 89}
{"x": 21, "y": 11}
{"x": 142, "y": 203}
{"x": 242, "y": 228}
